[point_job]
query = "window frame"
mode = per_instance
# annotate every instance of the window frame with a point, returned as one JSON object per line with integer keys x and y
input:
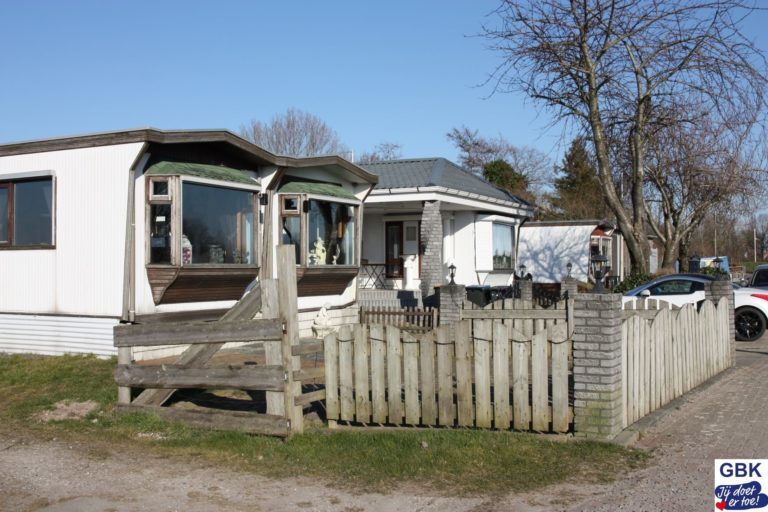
{"x": 175, "y": 198}
{"x": 9, "y": 184}
{"x": 303, "y": 213}
{"x": 513, "y": 256}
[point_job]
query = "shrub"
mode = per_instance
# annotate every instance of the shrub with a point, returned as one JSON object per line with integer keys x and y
{"x": 632, "y": 281}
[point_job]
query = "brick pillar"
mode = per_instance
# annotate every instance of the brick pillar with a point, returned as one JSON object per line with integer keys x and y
{"x": 526, "y": 289}
{"x": 724, "y": 288}
{"x": 432, "y": 273}
{"x": 598, "y": 400}
{"x": 451, "y": 300}
{"x": 569, "y": 285}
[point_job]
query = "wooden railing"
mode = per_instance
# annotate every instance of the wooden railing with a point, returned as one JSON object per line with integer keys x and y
{"x": 281, "y": 377}
{"x": 409, "y": 319}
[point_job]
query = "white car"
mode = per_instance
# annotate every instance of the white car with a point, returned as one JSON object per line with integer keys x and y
{"x": 750, "y": 304}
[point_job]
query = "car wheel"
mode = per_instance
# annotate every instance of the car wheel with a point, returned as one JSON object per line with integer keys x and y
{"x": 750, "y": 324}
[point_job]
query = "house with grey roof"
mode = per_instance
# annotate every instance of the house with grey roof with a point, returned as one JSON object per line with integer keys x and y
{"x": 425, "y": 215}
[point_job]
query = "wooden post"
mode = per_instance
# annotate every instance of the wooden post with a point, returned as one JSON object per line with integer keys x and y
{"x": 289, "y": 313}
{"x": 272, "y": 349}
{"x": 123, "y": 393}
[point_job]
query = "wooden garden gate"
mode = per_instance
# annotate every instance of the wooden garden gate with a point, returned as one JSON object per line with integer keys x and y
{"x": 280, "y": 377}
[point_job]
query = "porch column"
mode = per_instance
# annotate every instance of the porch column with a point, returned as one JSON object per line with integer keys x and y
{"x": 431, "y": 247}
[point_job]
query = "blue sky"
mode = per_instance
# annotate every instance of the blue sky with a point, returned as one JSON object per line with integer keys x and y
{"x": 396, "y": 71}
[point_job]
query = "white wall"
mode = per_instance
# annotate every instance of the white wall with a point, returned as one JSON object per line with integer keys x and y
{"x": 83, "y": 275}
{"x": 373, "y": 237}
{"x": 546, "y": 250}
{"x": 464, "y": 244}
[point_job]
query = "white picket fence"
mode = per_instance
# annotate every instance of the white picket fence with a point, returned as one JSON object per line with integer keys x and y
{"x": 667, "y": 352}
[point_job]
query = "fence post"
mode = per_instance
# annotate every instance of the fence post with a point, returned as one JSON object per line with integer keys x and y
{"x": 451, "y": 302}
{"x": 598, "y": 399}
{"x": 526, "y": 289}
{"x": 569, "y": 285}
{"x": 286, "y": 269}
{"x": 714, "y": 291}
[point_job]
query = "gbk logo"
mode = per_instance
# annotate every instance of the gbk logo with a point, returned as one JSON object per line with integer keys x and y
{"x": 739, "y": 484}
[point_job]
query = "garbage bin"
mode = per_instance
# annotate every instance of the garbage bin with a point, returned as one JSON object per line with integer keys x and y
{"x": 479, "y": 295}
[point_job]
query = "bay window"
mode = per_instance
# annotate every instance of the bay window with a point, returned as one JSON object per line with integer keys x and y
{"x": 324, "y": 231}
{"x": 196, "y": 223}
{"x": 26, "y": 213}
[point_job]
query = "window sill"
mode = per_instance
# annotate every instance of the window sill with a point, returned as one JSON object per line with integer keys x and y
{"x": 27, "y": 247}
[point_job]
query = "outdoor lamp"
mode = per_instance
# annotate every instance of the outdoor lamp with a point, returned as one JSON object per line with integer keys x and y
{"x": 569, "y": 267}
{"x": 452, "y": 269}
{"x": 599, "y": 265}
{"x": 522, "y": 271}
{"x": 717, "y": 263}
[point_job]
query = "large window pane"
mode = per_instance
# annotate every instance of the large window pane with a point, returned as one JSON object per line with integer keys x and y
{"x": 503, "y": 243}
{"x": 331, "y": 237}
{"x": 32, "y": 218}
{"x": 217, "y": 225}
{"x": 4, "y": 214}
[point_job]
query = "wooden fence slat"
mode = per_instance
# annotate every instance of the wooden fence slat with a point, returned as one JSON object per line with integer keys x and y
{"x": 361, "y": 348}
{"x": 560, "y": 380}
{"x": 501, "y": 410}
{"x": 510, "y": 314}
{"x": 539, "y": 381}
{"x": 346, "y": 374}
{"x": 394, "y": 374}
{"x": 625, "y": 377}
{"x": 331, "y": 356}
{"x": 378, "y": 373}
{"x": 427, "y": 367}
{"x": 445, "y": 354}
{"x": 521, "y": 353}
{"x": 411, "y": 379}
{"x": 188, "y": 333}
{"x": 464, "y": 355}
{"x": 483, "y": 337}
{"x": 175, "y": 377}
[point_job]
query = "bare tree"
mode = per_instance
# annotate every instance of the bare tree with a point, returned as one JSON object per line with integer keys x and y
{"x": 616, "y": 68}
{"x": 477, "y": 152}
{"x": 294, "y": 133}
{"x": 695, "y": 169}
{"x": 381, "y": 152}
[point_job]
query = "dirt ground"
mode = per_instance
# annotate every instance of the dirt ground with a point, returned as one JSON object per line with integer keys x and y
{"x": 49, "y": 475}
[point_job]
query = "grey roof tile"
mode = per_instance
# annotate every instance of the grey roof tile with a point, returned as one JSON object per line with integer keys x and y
{"x": 427, "y": 172}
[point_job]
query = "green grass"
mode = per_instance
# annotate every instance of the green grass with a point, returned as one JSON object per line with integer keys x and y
{"x": 447, "y": 461}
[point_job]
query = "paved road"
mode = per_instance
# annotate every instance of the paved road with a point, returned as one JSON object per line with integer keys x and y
{"x": 726, "y": 419}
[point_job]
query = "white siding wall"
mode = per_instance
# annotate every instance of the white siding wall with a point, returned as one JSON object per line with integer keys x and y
{"x": 84, "y": 274}
{"x": 56, "y": 335}
{"x": 464, "y": 248}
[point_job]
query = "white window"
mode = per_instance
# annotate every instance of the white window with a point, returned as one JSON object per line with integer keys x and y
{"x": 503, "y": 246}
